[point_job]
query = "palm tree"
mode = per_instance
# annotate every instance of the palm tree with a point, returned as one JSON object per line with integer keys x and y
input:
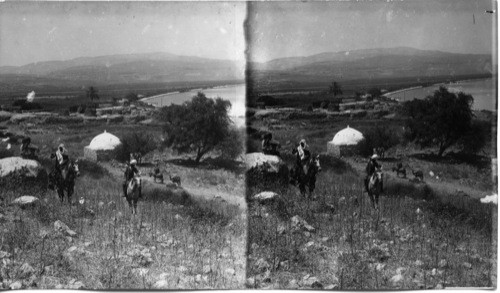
{"x": 92, "y": 93}
{"x": 335, "y": 89}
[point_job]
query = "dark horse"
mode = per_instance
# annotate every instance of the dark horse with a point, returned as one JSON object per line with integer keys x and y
{"x": 306, "y": 176}
{"x": 375, "y": 187}
{"x": 65, "y": 180}
{"x": 134, "y": 193}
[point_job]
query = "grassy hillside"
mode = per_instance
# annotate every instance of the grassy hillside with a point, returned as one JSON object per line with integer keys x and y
{"x": 188, "y": 242}
{"x": 434, "y": 234}
{"x": 413, "y": 243}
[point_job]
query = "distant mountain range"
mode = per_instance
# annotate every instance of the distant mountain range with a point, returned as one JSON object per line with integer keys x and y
{"x": 132, "y": 68}
{"x": 316, "y": 71}
{"x": 368, "y": 64}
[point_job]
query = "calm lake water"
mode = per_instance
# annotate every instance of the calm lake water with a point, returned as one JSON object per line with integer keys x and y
{"x": 483, "y": 91}
{"x": 234, "y": 93}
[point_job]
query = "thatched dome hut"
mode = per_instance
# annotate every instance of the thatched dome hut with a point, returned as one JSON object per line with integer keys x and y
{"x": 103, "y": 147}
{"x": 345, "y": 142}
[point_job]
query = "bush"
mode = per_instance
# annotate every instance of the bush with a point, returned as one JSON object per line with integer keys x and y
{"x": 137, "y": 142}
{"x": 268, "y": 101}
{"x": 90, "y": 112}
{"x": 378, "y": 137}
{"x": 24, "y": 105}
{"x": 233, "y": 145}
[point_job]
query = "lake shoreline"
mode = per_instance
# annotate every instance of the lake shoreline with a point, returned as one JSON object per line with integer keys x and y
{"x": 146, "y": 99}
{"x": 435, "y": 84}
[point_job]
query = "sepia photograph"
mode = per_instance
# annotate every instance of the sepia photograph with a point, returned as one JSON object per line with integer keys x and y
{"x": 371, "y": 145}
{"x": 122, "y": 128}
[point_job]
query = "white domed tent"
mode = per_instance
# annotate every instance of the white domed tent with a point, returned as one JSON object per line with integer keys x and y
{"x": 102, "y": 147}
{"x": 345, "y": 142}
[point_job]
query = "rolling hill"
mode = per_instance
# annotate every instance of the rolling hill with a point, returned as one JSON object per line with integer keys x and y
{"x": 121, "y": 69}
{"x": 369, "y": 64}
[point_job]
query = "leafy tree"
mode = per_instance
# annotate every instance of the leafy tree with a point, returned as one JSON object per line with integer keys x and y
{"x": 440, "y": 120}
{"x": 475, "y": 139}
{"x": 267, "y": 100}
{"x": 375, "y": 92}
{"x": 92, "y": 93}
{"x": 335, "y": 89}
{"x": 233, "y": 145}
{"x": 132, "y": 97}
{"x": 197, "y": 126}
{"x": 378, "y": 137}
{"x": 136, "y": 142}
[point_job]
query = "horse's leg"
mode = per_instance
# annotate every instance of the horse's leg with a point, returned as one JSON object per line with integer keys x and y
{"x": 69, "y": 192}
{"x": 135, "y": 205}
{"x": 302, "y": 188}
{"x": 60, "y": 193}
{"x": 371, "y": 198}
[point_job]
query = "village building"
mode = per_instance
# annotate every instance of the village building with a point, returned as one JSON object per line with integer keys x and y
{"x": 345, "y": 142}
{"x": 103, "y": 147}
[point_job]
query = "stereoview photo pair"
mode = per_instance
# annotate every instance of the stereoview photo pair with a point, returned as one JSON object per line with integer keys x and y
{"x": 340, "y": 145}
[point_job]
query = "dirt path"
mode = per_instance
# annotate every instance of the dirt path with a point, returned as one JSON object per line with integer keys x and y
{"x": 207, "y": 197}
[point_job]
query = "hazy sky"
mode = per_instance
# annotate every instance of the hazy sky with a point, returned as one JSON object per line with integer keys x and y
{"x": 305, "y": 28}
{"x": 35, "y": 31}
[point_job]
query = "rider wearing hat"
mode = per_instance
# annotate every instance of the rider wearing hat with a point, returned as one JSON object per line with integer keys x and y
{"x": 61, "y": 158}
{"x": 303, "y": 156}
{"x": 130, "y": 172}
{"x": 266, "y": 143}
{"x": 371, "y": 167}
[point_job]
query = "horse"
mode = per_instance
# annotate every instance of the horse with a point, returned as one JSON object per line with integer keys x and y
{"x": 375, "y": 187}
{"x": 175, "y": 179}
{"x": 134, "y": 193}
{"x": 399, "y": 169}
{"x": 307, "y": 175}
{"x": 65, "y": 180}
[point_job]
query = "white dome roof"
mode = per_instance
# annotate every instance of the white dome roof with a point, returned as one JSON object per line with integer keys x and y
{"x": 104, "y": 141}
{"x": 347, "y": 136}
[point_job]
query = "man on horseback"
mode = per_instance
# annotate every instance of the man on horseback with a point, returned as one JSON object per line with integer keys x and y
{"x": 25, "y": 147}
{"x": 302, "y": 159}
{"x": 270, "y": 147}
{"x": 130, "y": 173}
{"x": 61, "y": 161}
{"x": 371, "y": 167}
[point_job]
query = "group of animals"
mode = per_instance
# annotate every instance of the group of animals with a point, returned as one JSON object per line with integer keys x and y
{"x": 158, "y": 177}
{"x": 399, "y": 169}
{"x": 305, "y": 178}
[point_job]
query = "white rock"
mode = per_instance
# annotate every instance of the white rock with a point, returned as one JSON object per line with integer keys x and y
{"x": 490, "y": 199}
{"x": 15, "y": 286}
{"x": 253, "y": 160}
{"x": 60, "y": 226}
{"x": 18, "y": 165}
{"x": 25, "y": 200}
{"x": 396, "y": 279}
{"x": 161, "y": 284}
{"x": 265, "y": 196}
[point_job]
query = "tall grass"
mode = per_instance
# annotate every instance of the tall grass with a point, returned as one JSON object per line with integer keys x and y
{"x": 183, "y": 246}
{"x": 354, "y": 247}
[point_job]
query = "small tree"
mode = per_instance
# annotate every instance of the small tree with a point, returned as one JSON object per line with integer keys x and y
{"x": 131, "y": 97}
{"x": 233, "y": 145}
{"x": 136, "y": 142}
{"x": 378, "y": 137}
{"x": 196, "y": 126}
{"x": 440, "y": 120}
{"x": 375, "y": 92}
{"x": 92, "y": 93}
{"x": 335, "y": 89}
